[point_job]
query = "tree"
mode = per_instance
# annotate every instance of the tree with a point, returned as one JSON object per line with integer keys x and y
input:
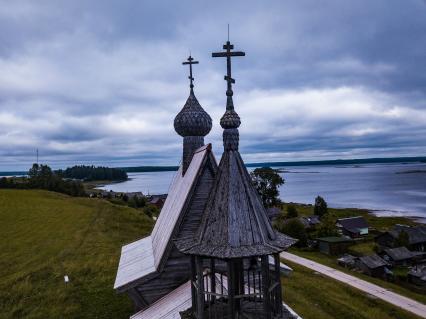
{"x": 266, "y": 181}
{"x": 327, "y": 227}
{"x": 292, "y": 211}
{"x": 320, "y": 207}
{"x": 294, "y": 228}
{"x": 403, "y": 239}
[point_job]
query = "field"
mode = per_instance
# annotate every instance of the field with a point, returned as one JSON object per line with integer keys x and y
{"x": 314, "y": 296}
{"x": 45, "y": 236}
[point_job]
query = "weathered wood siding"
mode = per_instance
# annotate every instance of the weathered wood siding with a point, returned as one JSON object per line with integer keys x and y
{"x": 176, "y": 269}
{"x": 175, "y": 202}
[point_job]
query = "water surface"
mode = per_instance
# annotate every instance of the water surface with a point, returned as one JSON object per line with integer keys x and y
{"x": 389, "y": 189}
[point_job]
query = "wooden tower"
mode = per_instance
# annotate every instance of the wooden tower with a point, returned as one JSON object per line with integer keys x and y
{"x": 232, "y": 275}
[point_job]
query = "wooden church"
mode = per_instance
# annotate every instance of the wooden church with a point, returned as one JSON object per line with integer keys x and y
{"x": 213, "y": 252}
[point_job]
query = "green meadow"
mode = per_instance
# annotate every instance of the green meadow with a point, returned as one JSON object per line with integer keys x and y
{"x": 45, "y": 236}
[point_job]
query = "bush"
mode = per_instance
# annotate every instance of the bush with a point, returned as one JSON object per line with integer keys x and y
{"x": 292, "y": 211}
{"x": 294, "y": 228}
{"x": 151, "y": 211}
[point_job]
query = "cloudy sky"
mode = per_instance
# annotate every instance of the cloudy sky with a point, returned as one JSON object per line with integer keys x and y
{"x": 101, "y": 81}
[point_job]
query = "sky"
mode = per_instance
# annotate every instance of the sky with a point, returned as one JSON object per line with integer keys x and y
{"x": 100, "y": 82}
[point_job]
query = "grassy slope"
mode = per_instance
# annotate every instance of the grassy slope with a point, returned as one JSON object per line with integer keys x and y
{"x": 314, "y": 296}
{"x": 44, "y": 236}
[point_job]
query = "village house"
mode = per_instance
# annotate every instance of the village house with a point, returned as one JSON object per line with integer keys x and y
{"x": 352, "y": 226}
{"x": 373, "y": 266}
{"x": 158, "y": 200}
{"x": 416, "y": 236}
{"x": 399, "y": 256}
{"x": 310, "y": 221}
{"x": 417, "y": 276}
{"x": 347, "y": 261}
{"x": 334, "y": 245}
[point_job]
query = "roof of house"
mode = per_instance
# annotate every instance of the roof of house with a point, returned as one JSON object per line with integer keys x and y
{"x": 373, "y": 261}
{"x": 400, "y": 253}
{"x": 169, "y": 306}
{"x": 312, "y": 219}
{"x": 419, "y": 271}
{"x": 416, "y": 234}
{"x": 347, "y": 259}
{"x": 353, "y": 224}
{"x": 335, "y": 239}
{"x": 179, "y": 191}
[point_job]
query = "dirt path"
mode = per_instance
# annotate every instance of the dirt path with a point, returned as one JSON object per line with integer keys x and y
{"x": 372, "y": 289}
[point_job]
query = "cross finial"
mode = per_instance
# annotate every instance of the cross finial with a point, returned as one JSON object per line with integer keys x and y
{"x": 228, "y": 54}
{"x": 190, "y": 77}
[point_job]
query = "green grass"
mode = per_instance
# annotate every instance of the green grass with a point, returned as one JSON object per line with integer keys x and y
{"x": 44, "y": 236}
{"x": 314, "y": 296}
{"x": 363, "y": 248}
{"x": 332, "y": 262}
{"x": 379, "y": 223}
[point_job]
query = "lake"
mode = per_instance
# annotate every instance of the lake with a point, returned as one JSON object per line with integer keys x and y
{"x": 387, "y": 189}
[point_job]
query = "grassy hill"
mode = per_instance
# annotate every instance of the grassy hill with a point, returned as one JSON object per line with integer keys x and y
{"x": 44, "y": 236}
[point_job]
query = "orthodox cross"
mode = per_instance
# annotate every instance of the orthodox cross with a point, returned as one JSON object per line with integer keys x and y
{"x": 190, "y": 62}
{"x": 228, "y": 54}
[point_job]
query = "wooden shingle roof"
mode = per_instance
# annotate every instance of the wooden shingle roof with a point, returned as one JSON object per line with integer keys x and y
{"x": 171, "y": 212}
{"x": 235, "y": 222}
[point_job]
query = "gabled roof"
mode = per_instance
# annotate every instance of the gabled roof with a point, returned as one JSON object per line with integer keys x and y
{"x": 235, "y": 222}
{"x": 175, "y": 203}
{"x": 353, "y": 223}
{"x": 400, "y": 253}
{"x": 141, "y": 259}
{"x": 416, "y": 234}
{"x": 373, "y": 261}
{"x": 136, "y": 261}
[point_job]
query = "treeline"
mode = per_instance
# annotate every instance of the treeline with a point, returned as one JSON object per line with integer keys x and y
{"x": 42, "y": 177}
{"x": 92, "y": 173}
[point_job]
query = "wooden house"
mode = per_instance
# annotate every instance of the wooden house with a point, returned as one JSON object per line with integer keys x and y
{"x": 417, "y": 276}
{"x": 416, "y": 236}
{"x": 373, "y": 266}
{"x": 352, "y": 226}
{"x": 399, "y": 256}
{"x": 334, "y": 245}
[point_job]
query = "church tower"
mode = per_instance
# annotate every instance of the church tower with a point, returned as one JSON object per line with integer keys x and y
{"x": 192, "y": 122}
{"x": 235, "y": 265}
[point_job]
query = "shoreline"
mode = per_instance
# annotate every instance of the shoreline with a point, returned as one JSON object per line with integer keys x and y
{"x": 372, "y": 212}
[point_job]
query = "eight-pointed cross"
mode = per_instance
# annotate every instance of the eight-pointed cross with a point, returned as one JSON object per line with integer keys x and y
{"x": 228, "y": 47}
{"x": 190, "y": 62}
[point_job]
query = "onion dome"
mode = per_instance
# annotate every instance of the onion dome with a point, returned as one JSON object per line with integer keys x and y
{"x": 192, "y": 120}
